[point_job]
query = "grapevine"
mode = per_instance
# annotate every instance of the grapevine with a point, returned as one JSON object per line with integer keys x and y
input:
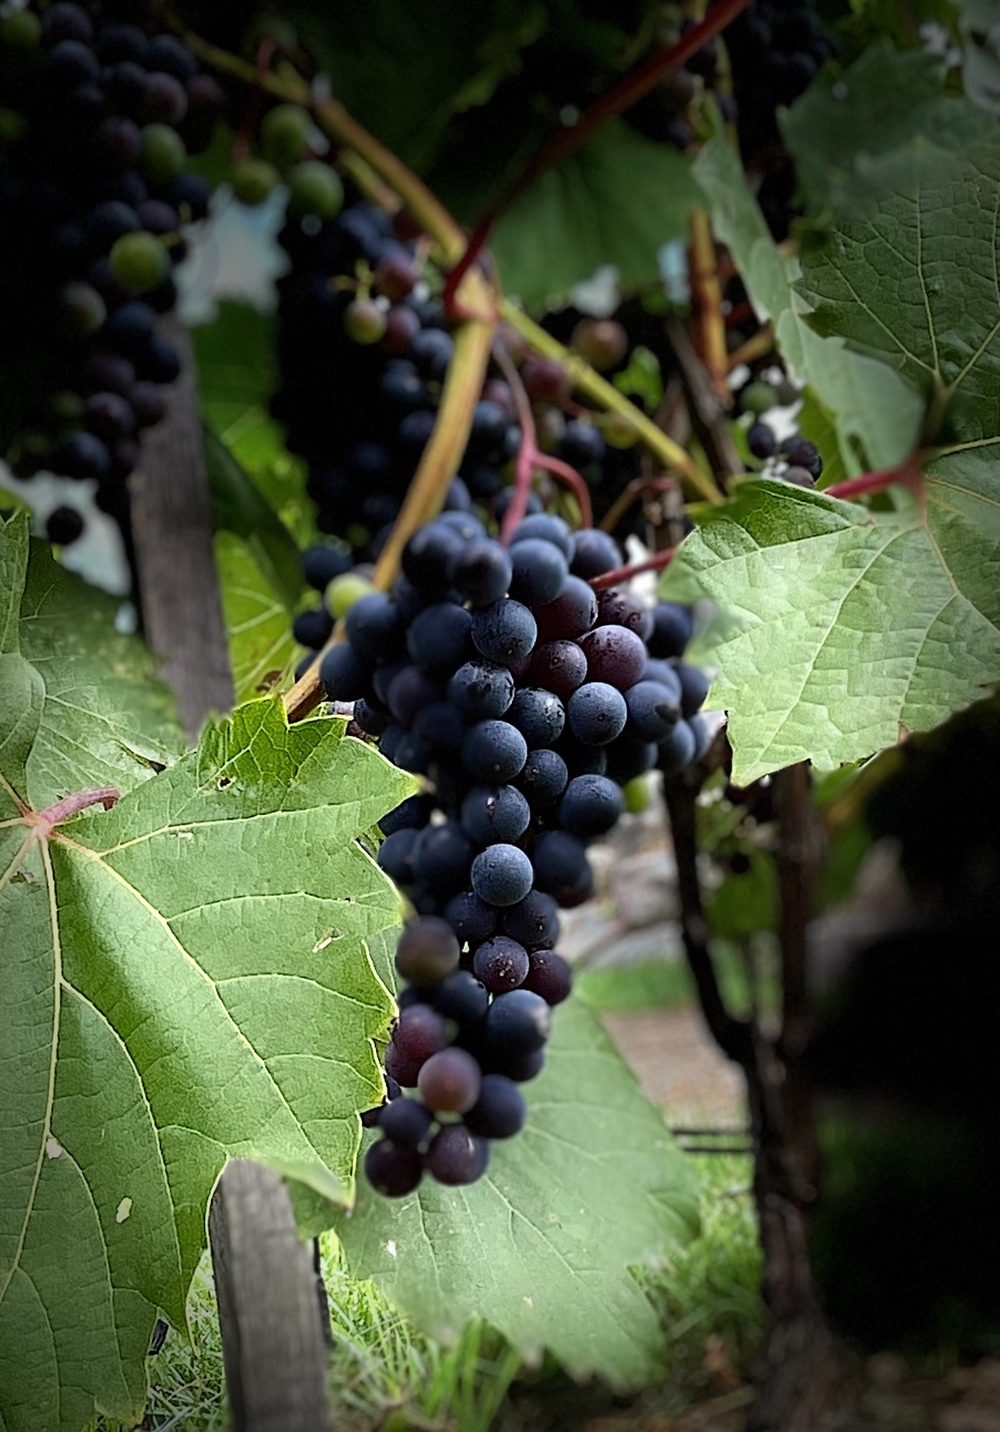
{"x": 608, "y": 433}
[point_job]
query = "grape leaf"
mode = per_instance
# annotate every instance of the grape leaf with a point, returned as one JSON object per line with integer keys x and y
{"x": 186, "y": 979}
{"x": 873, "y": 405}
{"x": 541, "y": 1245}
{"x": 887, "y": 284}
{"x": 258, "y": 621}
{"x": 101, "y": 704}
{"x": 888, "y": 99}
{"x": 843, "y": 626}
{"x": 616, "y": 201}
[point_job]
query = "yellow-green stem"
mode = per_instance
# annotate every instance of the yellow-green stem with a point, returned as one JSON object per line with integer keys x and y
{"x": 334, "y": 120}
{"x": 601, "y": 392}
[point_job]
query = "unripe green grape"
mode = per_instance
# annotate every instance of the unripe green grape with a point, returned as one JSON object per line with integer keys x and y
{"x": 314, "y": 188}
{"x": 139, "y": 261}
{"x": 284, "y": 134}
{"x": 253, "y": 180}
{"x": 364, "y": 321}
{"x": 83, "y": 308}
{"x": 638, "y": 795}
{"x": 619, "y": 431}
{"x": 20, "y": 31}
{"x": 162, "y": 155}
{"x": 758, "y": 398}
{"x": 601, "y": 341}
{"x": 344, "y": 591}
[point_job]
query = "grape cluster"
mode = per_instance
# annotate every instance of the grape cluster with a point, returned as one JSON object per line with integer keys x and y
{"x": 356, "y": 320}
{"x": 528, "y": 700}
{"x": 100, "y": 116}
{"x": 775, "y": 51}
{"x": 801, "y": 463}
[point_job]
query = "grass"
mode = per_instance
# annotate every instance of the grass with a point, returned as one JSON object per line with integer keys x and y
{"x": 385, "y": 1374}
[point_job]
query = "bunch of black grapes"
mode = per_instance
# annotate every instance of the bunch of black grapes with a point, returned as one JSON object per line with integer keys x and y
{"x": 100, "y": 114}
{"x": 800, "y": 463}
{"x": 363, "y": 351}
{"x": 527, "y": 699}
{"x": 775, "y": 51}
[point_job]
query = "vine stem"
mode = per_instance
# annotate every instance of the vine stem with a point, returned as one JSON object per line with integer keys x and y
{"x": 528, "y": 456}
{"x": 337, "y": 124}
{"x": 620, "y": 97}
{"x": 637, "y": 488}
{"x": 624, "y": 574}
{"x": 606, "y": 396}
{"x": 909, "y": 473}
{"x": 706, "y": 297}
{"x": 53, "y": 815}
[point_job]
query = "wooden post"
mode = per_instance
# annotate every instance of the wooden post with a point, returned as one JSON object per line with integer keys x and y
{"x": 172, "y": 529}
{"x": 272, "y": 1336}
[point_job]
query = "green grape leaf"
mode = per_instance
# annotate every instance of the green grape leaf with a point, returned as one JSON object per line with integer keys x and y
{"x": 101, "y": 703}
{"x": 541, "y": 1245}
{"x": 873, "y": 405}
{"x": 262, "y": 650}
{"x": 239, "y": 506}
{"x": 618, "y": 200}
{"x": 887, "y": 284}
{"x": 257, "y": 487}
{"x": 186, "y": 979}
{"x": 841, "y": 627}
{"x": 886, "y": 101}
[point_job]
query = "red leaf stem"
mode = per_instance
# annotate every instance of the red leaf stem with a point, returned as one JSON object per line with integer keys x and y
{"x": 909, "y": 473}
{"x": 69, "y": 806}
{"x": 624, "y": 574}
{"x": 620, "y": 97}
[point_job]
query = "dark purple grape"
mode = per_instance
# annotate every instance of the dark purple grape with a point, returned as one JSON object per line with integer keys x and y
{"x": 501, "y": 875}
{"x": 427, "y": 951}
{"x": 438, "y": 638}
{"x": 482, "y": 573}
{"x": 547, "y": 527}
{"x": 679, "y": 748}
{"x": 596, "y": 712}
{"x": 761, "y": 441}
{"x": 533, "y": 921}
{"x": 543, "y": 778}
{"x": 405, "y": 1122}
{"x": 456, "y": 1156}
{"x": 344, "y": 675}
{"x": 673, "y": 627}
{"x": 652, "y": 709}
{"x": 404, "y": 1071}
{"x": 549, "y": 975}
{"x": 420, "y": 1032}
{"x": 450, "y": 1081}
{"x": 472, "y": 920}
{"x": 590, "y": 806}
{"x": 500, "y": 963}
{"x": 570, "y": 614}
{"x": 594, "y": 552}
{"x": 539, "y": 716}
{"x": 461, "y": 997}
{"x": 492, "y": 814}
{"x": 558, "y": 666}
{"x": 393, "y": 1170}
{"x": 560, "y": 864}
{"x": 313, "y": 629}
{"x": 481, "y": 690}
{"x": 504, "y": 631}
{"x": 614, "y": 655}
{"x": 500, "y": 1111}
{"x": 539, "y": 571}
{"x": 494, "y": 752}
{"x": 517, "y": 1023}
{"x": 395, "y": 855}
{"x": 621, "y": 607}
{"x": 63, "y": 525}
